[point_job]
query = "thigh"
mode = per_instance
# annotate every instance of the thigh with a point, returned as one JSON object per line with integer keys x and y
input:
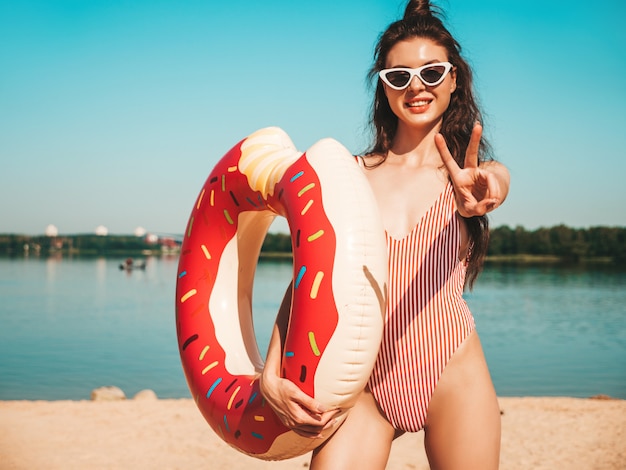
{"x": 363, "y": 440}
{"x": 463, "y": 422}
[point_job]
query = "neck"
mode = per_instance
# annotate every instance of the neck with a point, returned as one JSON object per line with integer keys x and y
{"x": 416, "y": 145}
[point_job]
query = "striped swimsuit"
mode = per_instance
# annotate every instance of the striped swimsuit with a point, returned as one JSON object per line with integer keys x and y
{"x": 426, "y": 319}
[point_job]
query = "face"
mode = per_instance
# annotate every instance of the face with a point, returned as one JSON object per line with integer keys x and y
{"x": 419, "y": 105}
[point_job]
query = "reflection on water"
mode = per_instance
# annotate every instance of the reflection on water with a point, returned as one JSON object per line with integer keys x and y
{"x": 71, "y": 325}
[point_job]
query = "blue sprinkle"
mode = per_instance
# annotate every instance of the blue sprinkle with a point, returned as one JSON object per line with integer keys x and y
{"x": 296, "y": 176}
{"x": 226, "y": 424}
{"x": 183, "y": 274}
{"x": 300, "y": 276}
{"x": 289, "y": 354}
{"x": 258, "y": 436}
{"x": 252, "y": 397}
{"x": 215, "y": 384}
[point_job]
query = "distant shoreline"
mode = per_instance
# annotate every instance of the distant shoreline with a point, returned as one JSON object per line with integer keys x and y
{"x": 558, "y": 245}
{"x": 518, "y": 259}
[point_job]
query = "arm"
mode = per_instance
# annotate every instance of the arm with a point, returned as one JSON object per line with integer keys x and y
{"x": 478, "y": 189}
{"x": 298, "y": 411}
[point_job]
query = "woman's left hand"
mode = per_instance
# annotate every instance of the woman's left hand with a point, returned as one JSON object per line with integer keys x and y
{"x": 478, "y": 190}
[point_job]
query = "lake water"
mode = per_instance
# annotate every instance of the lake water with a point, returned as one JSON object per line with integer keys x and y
{"x": 69, "y": 325}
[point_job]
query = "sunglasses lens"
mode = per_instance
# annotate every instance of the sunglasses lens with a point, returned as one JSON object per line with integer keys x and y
{"x": 398, "y": 78}
{"x": 433, "y": 74}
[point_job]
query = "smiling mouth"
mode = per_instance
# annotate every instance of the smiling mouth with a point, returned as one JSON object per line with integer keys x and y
{"x": 418, "y": 104}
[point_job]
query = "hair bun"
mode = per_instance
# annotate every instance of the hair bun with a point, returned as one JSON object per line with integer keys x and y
{"x": 418, "y": 8}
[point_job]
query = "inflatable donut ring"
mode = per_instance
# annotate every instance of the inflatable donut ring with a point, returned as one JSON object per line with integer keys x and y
{"x": 338, "y": 289}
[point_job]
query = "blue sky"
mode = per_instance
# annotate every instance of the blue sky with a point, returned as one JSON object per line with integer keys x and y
{"x": 114, "y": 112}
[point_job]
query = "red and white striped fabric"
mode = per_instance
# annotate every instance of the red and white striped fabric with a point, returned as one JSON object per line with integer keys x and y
{"x": 427, "y": 318}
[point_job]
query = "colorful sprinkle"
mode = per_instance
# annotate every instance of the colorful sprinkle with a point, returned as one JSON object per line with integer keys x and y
{"x": 228, "y": 218}
{"x": 300, "y": 276}
{"x": 316, "y": 284}
{"x": 232, "y": 169}
{"x": 305, "y": 189}
{"x": 232, "y": 398}
{"x": 223, "y": 183}
{"x": 200, "y": 199}
{"x": 296, "y": 176}
{"x": 203, "y": 353}
{"x": 230, "y": 385}
{"x": 212, "y": 201}
{"x": 289, "y": 354}
{"x": 183, "y": 274}
{"x": 188, "y": 295}
{"x": 254, "y": 395}
{"x": 257, "y": 435}
{"x": 226, "y": 424}
{"x": 307, "y": 207}
{"x": 209, "y": 367}
{"x": 313, "y": 343}
{"x": 232, "y": 195}
{"x": 205, "y": 251}
{"x": 213, "y": 387}
{"x": 315, "y": 236}
{"x": 259, "y": 418}
{"x": 190, "y": 340}
{"x": 190, "y": 225}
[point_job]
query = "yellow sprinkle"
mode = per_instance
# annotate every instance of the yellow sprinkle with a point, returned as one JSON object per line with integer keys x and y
{"x": 223, "y": 182}
{"x": 232, "y": 169}
{"x": 228, "y": 218}
{"x": 316, "y": 284}
{"x": 206, "y": 251}
{"x": 307, "y": 207}
{"x": 212, "y": 197}
{"x": 259, "y": 418}
{"x": 315, "y": 236}
{"x": 306, "y": 188}
{"x": 189, "y": 294}
{"x": 232, "y": 398}
{"x": 190, "y": 226}
{"x": 314, "y": 347}
{"x": 200, "y": 199}
{"x": 209, "y": 367}
{"x": 203, "y": 353}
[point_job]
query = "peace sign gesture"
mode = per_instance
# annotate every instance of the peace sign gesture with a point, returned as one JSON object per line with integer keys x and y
{"x": 478, "y": 190}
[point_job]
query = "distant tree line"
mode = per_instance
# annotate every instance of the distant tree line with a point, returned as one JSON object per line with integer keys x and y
{"x": 88, "y": 244}
{"x": 562, "y": 243}
{"x": 568, "y": 244}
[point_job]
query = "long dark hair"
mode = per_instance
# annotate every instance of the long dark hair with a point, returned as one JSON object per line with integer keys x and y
{"x": 423, "y": 20}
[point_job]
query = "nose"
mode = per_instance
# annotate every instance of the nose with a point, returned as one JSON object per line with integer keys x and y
{"x": 416, "y": 83}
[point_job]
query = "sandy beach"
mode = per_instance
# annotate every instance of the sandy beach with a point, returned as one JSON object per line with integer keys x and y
{"x": 537, "y": 433}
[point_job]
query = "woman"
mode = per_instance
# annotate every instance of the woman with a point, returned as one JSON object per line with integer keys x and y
{"x": 433, "y": 195}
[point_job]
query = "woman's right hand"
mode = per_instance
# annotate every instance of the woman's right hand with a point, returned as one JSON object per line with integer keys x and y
{"x": 296, "y": 410}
